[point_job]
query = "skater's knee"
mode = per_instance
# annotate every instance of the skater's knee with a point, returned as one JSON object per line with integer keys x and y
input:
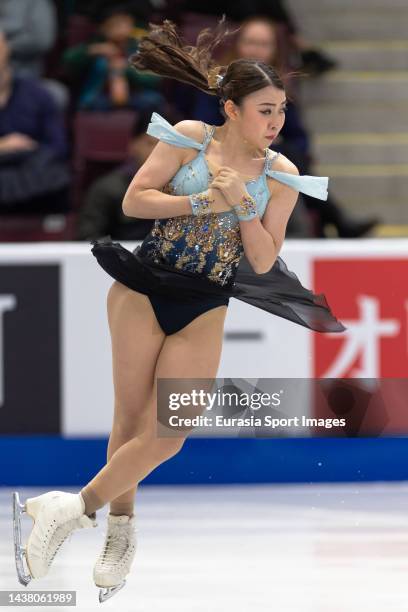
{"x": 130, "y": 417}
{"x": 134, "y": 410}
{"x": 165, "y": 448}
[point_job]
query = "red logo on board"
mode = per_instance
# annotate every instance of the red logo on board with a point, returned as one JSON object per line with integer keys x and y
{"x": 370, "y": 297}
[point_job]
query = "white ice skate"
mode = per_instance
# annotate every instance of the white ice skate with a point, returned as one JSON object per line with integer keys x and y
{"x": 56, "y": 515}
{"x": 114, "y": 562}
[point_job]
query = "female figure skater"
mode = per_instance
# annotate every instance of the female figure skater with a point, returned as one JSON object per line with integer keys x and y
{"x": 167, "y": 306}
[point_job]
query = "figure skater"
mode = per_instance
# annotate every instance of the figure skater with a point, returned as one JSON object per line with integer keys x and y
{"x": 167, "y": 306}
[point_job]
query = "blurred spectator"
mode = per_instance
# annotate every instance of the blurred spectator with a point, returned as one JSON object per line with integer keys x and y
{"x": 106, "y": 79}
{"x": 312, "y": 60}
{"x": 33, "y": 172}
{"x": 102, "y": 211}
{"x": 30, "y": 27}
{"x": 257, "y": 40}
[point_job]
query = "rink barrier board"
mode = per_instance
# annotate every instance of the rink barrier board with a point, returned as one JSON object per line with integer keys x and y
{"x": 59, "y": 438}
{"x": 54, "y": 461}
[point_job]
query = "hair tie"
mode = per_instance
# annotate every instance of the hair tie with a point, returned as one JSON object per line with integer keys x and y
{"x": 219, "y": 78}
{"x": 214, "y": 78}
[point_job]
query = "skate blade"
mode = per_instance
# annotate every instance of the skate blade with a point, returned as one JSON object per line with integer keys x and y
{"x": 23, "y": 575}
{"x": 108, "y": 592}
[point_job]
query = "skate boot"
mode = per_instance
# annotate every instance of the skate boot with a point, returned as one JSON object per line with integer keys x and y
{"x": 56, "y": 515}
{"x": 116, "y": 557}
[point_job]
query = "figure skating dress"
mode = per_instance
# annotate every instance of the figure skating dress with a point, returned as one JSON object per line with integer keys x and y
{"x": 189, "y": 264}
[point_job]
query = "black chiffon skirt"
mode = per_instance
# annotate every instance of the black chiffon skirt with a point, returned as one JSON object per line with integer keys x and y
{"x": 278, "y": 291}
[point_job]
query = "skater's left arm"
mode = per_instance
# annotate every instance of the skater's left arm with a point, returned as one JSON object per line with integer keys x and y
{"x": 263, "y": 238}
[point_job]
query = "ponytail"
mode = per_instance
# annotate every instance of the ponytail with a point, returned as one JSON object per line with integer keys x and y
{"x": 162, "y": 52}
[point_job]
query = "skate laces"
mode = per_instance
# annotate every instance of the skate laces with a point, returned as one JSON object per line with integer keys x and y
{"x": 117, "y": 544}
{"x": 58, "y": 538}
{"x": 56, "y": 525}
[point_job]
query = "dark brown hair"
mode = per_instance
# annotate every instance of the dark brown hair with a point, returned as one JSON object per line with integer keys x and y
{"x": 163, "y": 52}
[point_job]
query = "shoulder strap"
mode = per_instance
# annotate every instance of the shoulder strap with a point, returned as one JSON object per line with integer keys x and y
{"x": 163, "y": 130}
{"x": 315, "y": 186}
{"x": 208, "y": 134}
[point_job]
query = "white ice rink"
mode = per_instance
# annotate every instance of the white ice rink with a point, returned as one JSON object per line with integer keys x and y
{"x": 280, "y": 548}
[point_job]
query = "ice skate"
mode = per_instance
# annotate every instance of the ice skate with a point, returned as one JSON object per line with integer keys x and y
{"x": 116, "y": 557}
{"x": 56, "y": 515}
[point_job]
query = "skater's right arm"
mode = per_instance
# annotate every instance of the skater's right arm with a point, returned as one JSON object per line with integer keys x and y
{"x": 144, "y": 198}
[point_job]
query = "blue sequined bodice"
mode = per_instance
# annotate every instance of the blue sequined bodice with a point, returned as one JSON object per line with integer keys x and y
{"x": 210, "y": 244}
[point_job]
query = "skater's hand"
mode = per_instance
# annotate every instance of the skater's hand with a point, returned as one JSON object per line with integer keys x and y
{"x": 219, "y": 203}
{"x": 229, "y": 183}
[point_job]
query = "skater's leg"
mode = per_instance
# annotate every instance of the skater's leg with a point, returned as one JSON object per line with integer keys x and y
{"x": 194, "y": 351}
{"x": 136, "y": 339}
{"x": 136, "y": 342}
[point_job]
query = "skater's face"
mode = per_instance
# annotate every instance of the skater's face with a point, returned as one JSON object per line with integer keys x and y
{"x": 261, "y": 116}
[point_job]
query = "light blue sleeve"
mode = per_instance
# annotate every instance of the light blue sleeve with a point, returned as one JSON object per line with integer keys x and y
{"x": 315, "y": 186}
{"x": 163, "y": 130}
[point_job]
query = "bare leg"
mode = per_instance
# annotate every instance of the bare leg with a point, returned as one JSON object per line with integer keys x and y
{"x": 195, "y": 351}
{"x": 136, "y": 340}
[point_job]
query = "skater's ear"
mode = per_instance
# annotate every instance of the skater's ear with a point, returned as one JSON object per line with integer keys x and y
{"x": 231, "y": 110}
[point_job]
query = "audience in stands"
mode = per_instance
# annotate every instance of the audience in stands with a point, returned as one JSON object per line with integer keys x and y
{"x": 102, "y": 212}
{"x": 34, "y": 174}
{"x": 106, "y": 79}
{"x": 30, "y": 27}
{"x": 310, "y": 59}
{"x": 33, "y": 169}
